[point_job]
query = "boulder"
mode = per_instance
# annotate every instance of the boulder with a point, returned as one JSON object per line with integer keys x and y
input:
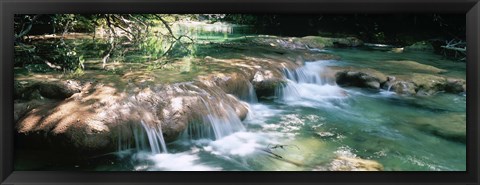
{"x": 403, "y": 87}
{"x": 266, "y": 83}
{"x": 367, "y": 78}
{"x": 455, "y": 85}
{"x": 58, "y": 89}
{"x": 427, "y": 84}
{"x": 104, "y": 118}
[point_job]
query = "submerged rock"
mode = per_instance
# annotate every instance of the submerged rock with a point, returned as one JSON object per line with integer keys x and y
{"x": 413, "y": 66}
{"x": 451, "y": 126}
{"x": 351, "y": 163}
{"x": 343, "y": 163}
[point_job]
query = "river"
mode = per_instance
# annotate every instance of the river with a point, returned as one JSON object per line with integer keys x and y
{"x": 311, "y": 121}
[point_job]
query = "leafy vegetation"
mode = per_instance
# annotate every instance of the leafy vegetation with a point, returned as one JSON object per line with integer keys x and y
{"x": 65, "y": 42}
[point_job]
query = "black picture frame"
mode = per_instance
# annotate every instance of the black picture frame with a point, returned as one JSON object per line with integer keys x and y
{"x": 471, "y": 9}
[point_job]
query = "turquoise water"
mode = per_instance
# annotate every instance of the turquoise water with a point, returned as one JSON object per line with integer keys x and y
{"x": 317, "y": 122}
{"x": 371, "y": 125}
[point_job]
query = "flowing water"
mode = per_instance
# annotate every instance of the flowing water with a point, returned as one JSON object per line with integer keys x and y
{"x": 310, "y": 122}
{"x": 316, "y": 120}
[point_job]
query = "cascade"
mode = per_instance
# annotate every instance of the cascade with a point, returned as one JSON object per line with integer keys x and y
{"x": 155, "y": 138}
{"x": 252, "y": 95}
{"x": 307, "y": 83}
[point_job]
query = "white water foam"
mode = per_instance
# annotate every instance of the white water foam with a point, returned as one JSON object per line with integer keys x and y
{"x": 180, "y": 162}
{"x": 238, "y": 144}
{"x": 307, "y": 87}
{"x": 259, "y": 113}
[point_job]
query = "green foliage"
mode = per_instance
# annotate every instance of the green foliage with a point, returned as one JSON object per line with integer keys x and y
{"x": 242, "y": 19}
{"x": 66, "y": 56}
{"x": 152, "y": 47}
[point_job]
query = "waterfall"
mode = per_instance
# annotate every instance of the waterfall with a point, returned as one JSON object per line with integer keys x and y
{"x": 252, "y": 95}
{"x": 218, "y": 123}
{"x": 212, "y": 116}
{"x": 155, "y": 138}
{"x": 389, "y": 87}
{"x": 225, "y": 125}
{"x": 307, "y": 85}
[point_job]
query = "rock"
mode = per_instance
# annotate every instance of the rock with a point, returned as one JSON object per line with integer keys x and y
{"x": 265, "y": 83}
{"x": 420, "y": 46}
{"x": 308, "y": 42}
{"x": 351, "y": 163}
{"x": 264, "y": 73}
{"x": 413, "y": 66}
{"x": 347, "y": 42}
{"x": 240, "y": 108}
{"x": 411, "y": 84}
{"x": 22, "y": 108}
{"x": 451, "y": 126}
{"x": 344, "y": 163}
{"x": 104, "y": 117}
{"x": 455, "y": 85}
{"x": 403, "y": 87}
{"x": 428, "y": 84}
{"x": 311, "y": 56}
{"x": 387, "y": 85}
{"x": 58, "y": 90}
{"x": 367, "y": 78}
{"x": 232, "y": 83}
{"x": 424, "y": 84}
{"x": 84, "y": 122}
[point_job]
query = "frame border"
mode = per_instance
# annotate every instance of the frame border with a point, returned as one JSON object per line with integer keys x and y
{"x": 10, "y": 7}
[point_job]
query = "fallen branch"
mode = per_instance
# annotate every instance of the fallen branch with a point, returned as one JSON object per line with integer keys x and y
{"x": 464, "y": 49}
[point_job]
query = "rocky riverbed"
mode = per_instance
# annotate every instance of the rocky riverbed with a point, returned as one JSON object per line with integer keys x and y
{"x": 131, "y": 106}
